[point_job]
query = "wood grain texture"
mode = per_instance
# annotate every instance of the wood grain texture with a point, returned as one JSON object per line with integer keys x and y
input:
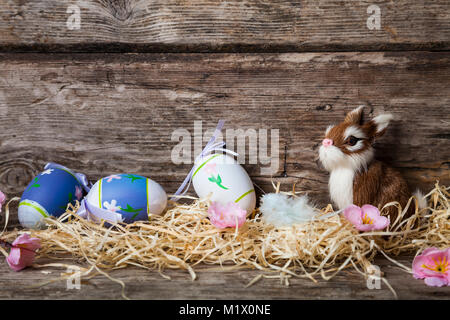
{"x": 223, "y": 26}
{"x": 102, "y": 114}
{"x": 143, "y": 284}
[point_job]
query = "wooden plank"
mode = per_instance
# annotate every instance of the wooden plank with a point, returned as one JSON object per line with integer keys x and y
{"x": 143, "y": 284}
{"x": 212, "y": 25}
{"x": 104, "y": 114}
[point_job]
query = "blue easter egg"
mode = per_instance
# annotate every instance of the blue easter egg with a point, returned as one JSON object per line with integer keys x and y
{"x": 48, "y": 194}
{"x": 131, "y": 195}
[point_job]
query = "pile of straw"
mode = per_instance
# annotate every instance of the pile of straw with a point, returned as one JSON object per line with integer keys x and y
{"x": 184, "y": 238}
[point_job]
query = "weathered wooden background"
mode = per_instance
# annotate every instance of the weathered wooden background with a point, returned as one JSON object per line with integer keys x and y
{"x": 213, "y": 284}
{"x": 232, "y": 26}
{"x": 103, "y": 114}
{"x": 106, "y": 98}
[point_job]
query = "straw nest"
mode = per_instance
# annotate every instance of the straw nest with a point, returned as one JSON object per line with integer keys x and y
{"x": 184, "y": 238}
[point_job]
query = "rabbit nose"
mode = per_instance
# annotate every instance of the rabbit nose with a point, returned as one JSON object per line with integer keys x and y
{"x": 327, "y": 142}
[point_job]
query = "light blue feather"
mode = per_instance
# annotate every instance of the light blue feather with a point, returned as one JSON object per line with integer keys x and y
{"x": 281, "y": 210}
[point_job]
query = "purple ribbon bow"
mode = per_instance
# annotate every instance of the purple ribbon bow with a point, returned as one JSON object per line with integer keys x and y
{"x": 93, "y": 213}
{"x": 210, "y": 147}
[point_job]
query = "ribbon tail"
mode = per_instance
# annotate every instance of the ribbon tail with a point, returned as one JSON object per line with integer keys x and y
{"x": 184, "y": 186}
{"x": 98, "y": 214}
{"x": 227, "y": 151}
{"x": 83, "y": 181}
{"x": 219, "y": 127}
{"x": 210, "y": 146}
{"x": 82, "y": 212}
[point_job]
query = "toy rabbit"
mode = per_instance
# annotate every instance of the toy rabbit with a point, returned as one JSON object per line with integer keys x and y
{"x": 355, "y": 177}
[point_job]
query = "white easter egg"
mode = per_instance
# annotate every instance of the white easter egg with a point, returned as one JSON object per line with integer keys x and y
{"x": 223, "y": 179}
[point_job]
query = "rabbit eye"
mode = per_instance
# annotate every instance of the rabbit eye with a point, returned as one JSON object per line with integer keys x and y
{"x": 352, "y": 140}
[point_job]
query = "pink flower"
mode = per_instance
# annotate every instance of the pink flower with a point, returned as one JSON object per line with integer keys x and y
{"x": 210, "y": 168}
{"x": 78, "y": 192}
{"x": 2, "y": 200}
{"x": 366, "y": 218}
{"x": 23, "y": 251}
{"x": 114, "y": 176}
{"x": 226, "y": 216}
{"x": 433, "y": 266}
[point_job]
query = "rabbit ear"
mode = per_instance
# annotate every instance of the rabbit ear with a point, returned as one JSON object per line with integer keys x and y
{"x": 379, "y": 124}
{"x": 354, "y": 116}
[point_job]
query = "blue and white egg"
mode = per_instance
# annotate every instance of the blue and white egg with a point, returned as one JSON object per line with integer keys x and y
{"x": 48, "y": 194}
{"x": 130, "y": 195}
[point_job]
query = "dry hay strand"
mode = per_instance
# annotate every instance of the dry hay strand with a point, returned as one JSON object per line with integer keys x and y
{"x": 184, "y": 237}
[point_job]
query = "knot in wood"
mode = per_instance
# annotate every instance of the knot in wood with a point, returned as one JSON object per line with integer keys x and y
{"x": 120, "y": 9}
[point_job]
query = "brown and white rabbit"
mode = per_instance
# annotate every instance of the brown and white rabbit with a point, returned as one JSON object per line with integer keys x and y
{"x": 355, "y": 177}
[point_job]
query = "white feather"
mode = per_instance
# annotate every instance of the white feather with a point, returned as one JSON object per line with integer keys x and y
{"x": 421, "y": 199}
{"x": 281, "y": 210}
